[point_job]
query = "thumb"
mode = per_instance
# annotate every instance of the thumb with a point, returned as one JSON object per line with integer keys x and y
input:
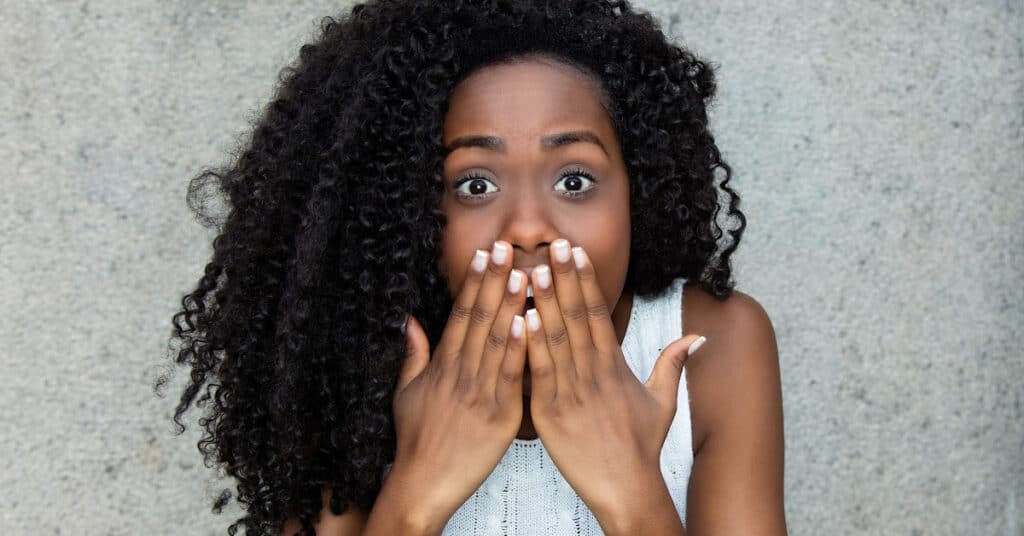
{"x": 417, "y": 353}
{"x": 668, "y": 369}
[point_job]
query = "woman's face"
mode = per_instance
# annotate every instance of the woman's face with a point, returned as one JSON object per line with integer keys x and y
{"x": 527, "y": 185}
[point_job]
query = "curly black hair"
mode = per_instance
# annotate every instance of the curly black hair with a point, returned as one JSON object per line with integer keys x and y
{"x": 293, "y": 334}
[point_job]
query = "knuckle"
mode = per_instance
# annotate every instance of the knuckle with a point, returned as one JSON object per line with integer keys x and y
{"x": 446, "y": 359}
{"x": 556, "y": 410}
{"x": 481, "y": 315}
{"x": 575, "y": 313}
{"x": 459, "y": 313}
{"x": 588, "y": 383}
{"x": 495, "y": 271}
{"x": 598, "y": 311}
{"x": 608, "y": 371}
{"x": 558, "y": 337}
{"x": 495, "y": 341}
{"x": 465, "y": 391}
{"x": 510, "y": 377}
{"x": 542, "y": 371}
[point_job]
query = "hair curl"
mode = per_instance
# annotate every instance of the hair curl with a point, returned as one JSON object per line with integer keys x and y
{"x": 331, "y": 236}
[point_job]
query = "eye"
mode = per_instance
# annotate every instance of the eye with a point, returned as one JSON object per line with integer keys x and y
{"x": 574, "y": 181}
{"x": 477, "y": 187}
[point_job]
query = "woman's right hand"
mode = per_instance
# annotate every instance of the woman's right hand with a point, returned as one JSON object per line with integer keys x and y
{"x": 458, "y": 408}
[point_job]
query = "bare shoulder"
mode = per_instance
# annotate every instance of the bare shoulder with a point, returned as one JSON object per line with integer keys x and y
{"x": 736, "y": 484}
{"x": 738, "y": 361}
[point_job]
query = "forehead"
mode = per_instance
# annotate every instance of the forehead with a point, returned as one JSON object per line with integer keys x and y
{"x": 524, "y": 98}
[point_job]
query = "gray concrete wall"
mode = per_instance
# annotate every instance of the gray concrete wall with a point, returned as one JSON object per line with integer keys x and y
{"x": 878, "y": 148}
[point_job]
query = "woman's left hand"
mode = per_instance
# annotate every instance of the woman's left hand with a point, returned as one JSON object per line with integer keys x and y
{"x": 603, "y": 428}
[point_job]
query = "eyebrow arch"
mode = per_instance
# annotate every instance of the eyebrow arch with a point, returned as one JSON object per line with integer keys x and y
{"x": 549, "y": 142}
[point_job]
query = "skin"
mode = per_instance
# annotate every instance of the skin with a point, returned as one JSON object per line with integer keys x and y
{"x": 524, "y": 190}
{"x": 598, "y": 422}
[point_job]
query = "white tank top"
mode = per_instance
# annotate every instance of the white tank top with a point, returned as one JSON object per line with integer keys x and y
{"x": 527, "y": 495}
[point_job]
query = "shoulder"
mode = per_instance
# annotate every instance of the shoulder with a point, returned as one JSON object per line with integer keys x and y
{"x": 735, "y": 375}
{"x": 736, "y": 484}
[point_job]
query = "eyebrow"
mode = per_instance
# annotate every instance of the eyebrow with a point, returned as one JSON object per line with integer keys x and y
{"x": 549, "y": 142}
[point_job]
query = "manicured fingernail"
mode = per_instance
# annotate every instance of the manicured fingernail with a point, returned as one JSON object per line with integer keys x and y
{"x": 561, "y": 249}
{"x": 517, "y": 326}
{"x": 533, "y": 319}
{"x": 480, "y": 260}
{"x": 515, "y": 281}
{"x": 696, "y": 344}
{"x": 543, "y": 276}
{"x": 579, "y": 257}
{"x": 500, "y": 253}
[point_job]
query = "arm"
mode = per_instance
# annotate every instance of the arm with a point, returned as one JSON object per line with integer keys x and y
{"x": 397, "y": 510}
{"x": 736, "y": 485}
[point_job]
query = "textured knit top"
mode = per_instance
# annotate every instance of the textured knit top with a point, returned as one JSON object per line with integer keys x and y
{"x": 527, "y": 495}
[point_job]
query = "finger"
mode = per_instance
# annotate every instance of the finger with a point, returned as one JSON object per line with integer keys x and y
{"x": 668, "y": 369}
{"x": 458, "y": 320}
{"x": 573, "y": 309}
{"x": 555, "y": 335}
{"x": 483, "y": 335}
{"x": 508, "y": 388}
{"x": 417, "y": 354}
{"x": 602, "y": 329}
{"x": 495, "y": 353}
{"x": 543, "y": 382}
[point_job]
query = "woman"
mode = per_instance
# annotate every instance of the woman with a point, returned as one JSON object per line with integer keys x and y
{"x": 411, "y": 139}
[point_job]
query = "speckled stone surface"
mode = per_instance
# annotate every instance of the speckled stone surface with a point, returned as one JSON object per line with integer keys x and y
{"x": 878, "y": 148}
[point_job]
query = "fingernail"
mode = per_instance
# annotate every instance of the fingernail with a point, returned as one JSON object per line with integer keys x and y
{"x": 543, "y": 276}
{"x": 533, "y": 319}
{"x": 696, "y": 344}
{"x": 480, "y": 260}
{"x": 500, "y": 253}
{"x": 561, "y": 250}
{"x": 515, "y": 281}
{"x": 579, "y": 257}
{"x": 517, "y": 326}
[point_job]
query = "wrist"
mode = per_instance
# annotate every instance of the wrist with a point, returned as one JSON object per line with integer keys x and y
{"x": 403, "y": 506}
{"x": 643, "y": 506}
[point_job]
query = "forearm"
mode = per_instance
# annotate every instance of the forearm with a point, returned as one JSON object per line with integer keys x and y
{"x": 402, "y": 507}
{"x": 645, "y": 507}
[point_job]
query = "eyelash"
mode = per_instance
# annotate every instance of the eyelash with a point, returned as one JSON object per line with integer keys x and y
{"x": 570, "y": 173}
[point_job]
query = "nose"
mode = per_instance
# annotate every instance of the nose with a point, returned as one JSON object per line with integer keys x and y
{"x": 529, "y": 226}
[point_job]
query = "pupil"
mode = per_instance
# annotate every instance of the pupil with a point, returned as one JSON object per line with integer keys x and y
{"x": 573, "y": 183}
{"x": 477, "y": 187}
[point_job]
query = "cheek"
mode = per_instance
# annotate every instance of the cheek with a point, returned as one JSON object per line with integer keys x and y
{"x": 454, "y": 260}
{"x": 607, "y": 244}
